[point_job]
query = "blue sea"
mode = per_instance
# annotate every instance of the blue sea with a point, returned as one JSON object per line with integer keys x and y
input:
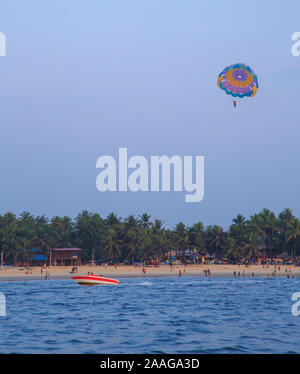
{"x": 151, "y": 315}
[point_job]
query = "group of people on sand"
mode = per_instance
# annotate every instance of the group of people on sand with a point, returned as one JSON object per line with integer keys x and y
{"x": 239, "y": 273}
{"x": 277, "y": 268}
{"x": 179, "y": 272}
{"x": 74, "y": 270}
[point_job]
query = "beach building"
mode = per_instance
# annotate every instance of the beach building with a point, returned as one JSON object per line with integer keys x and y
{"x": 65, "y": 257}
{"x": 39, "y": 260}
{"x": 30, "y": 257}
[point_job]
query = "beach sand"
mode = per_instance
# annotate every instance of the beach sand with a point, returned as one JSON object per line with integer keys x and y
{"x": 130, "y": 271}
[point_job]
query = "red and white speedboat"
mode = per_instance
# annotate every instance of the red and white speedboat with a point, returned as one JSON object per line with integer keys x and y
{"x": 94, "y": 280}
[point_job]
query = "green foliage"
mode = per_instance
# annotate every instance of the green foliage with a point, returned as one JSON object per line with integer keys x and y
{"x": 140, "y": 238}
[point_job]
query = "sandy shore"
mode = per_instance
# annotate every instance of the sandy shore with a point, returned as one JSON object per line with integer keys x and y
{"x": 124, "y": 271}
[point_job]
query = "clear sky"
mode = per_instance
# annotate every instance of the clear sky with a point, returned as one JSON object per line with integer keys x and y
{"x": 83, "y": 78}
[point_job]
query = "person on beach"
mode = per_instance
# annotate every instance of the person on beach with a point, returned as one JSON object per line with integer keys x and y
{"x": 143, "y": 270}
{"x": 208, "y": 272}
{"x": 179, "y": 273}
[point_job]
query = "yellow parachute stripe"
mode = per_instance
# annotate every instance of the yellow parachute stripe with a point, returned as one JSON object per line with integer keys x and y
{"x": 254, "y": 89}
{"x": 236, "y": 83}
{"x": 220, "y": 80}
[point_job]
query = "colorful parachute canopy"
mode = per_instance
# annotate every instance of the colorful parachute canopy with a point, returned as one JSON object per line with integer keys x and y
{"x": 238, "y": 80}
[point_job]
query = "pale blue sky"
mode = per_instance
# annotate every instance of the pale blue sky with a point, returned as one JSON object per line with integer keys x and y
{"x": 83, "y": 78}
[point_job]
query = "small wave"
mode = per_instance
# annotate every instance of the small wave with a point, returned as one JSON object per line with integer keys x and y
{"x": 75, "y": 341}
{"x": 50, "y": 341}
{"x": 145, "y": 284}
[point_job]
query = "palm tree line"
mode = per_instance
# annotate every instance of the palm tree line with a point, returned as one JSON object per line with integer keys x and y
{"x": 142, "y": 239}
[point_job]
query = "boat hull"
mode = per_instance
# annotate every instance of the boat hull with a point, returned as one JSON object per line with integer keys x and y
{"x": 94, "y": 280}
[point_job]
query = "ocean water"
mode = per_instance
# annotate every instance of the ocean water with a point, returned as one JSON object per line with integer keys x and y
{"x": 161, "y": 315}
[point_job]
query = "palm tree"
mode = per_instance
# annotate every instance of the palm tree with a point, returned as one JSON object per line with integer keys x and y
{"x": 238, "y": 230}
{"x": 256, "y": 230}
{"x": 144, "y": 220}
{"x": 112, "y": 219}
{"x": 251, "y": 248}
{"x": 89, "y": 229}
{"x": 215, "y": 239}
{"x": 233, "y": 251}
{"x": 196, "y": 236}
{"x": 155, "y": 242}
{"x": 270, "y": 228}
{"x": 26, "y": 234}
{"x": 285, "y": 219}
{"x": 8, "y": 236}
{"x": 132, "y": 235}
{"x": 112, "y": 249}
{"x": 24, "y": 244}
{"x": 42, "y": 232}
{"x": 293, "y": 231}
{"x": 181, "y": 238}
{"x": 61, "y": 229}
